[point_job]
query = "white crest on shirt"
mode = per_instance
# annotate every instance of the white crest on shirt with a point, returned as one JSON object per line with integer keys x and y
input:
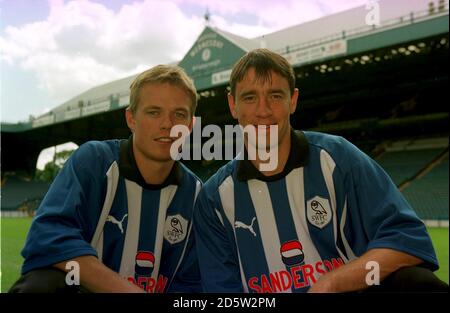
{"x": 113, "y": 220}
{"x": 318, "y": 211}
{"x": 175, "y": 228}
{"x": 239, "y": 224}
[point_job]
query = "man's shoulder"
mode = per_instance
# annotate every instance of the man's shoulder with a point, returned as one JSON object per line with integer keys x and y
{"x": 93, "y": 152}
{"x": 190, "y": 175}
{"x": 343, "y": 153}
{"x": 103, "y": 146}
{"x": 332, "y": 144}
{"x": 216, "y": 180}
{"x": 323, "y": 140}
{"x": 99, "y": 148}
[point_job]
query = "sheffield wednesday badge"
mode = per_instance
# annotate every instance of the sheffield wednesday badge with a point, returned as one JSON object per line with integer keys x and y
{"x": 175, "y": 228}
{"x": 318, "y": 211}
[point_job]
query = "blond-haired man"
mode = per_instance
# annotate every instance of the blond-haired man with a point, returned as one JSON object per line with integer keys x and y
{"x": 122, "y": 209}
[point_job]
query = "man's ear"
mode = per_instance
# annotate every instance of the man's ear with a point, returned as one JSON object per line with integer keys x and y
{"x": 131, "y": 122}
{"x": 232, "y": 106}
{"x": 192, "y": 123}
{"x": 294, "y": 99}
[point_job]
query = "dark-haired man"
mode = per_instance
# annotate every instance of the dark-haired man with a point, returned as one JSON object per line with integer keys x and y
{"x": 321, "y": 220}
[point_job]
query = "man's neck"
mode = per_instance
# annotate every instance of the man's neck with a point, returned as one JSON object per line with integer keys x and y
{"x": 154, "y": 172}
{"x": 283, "y": 155}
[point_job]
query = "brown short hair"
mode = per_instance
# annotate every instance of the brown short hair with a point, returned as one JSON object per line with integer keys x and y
{"x": 263, "y": 61}
{"x": 159, "y": 74}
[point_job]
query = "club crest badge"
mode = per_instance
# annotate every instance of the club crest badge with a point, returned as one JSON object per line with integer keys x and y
{"x": 175, "y": 228}
{"x": 319, "y": 212}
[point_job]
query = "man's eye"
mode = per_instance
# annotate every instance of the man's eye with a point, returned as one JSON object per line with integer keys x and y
{"x": 180, "y": 115}
{"x": 153, "y": 113}
{"x": 276, "y": 96}
{"x": 249, "y": 98}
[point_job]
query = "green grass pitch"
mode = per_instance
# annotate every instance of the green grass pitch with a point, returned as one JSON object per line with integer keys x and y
{"x": 14, "y": 231}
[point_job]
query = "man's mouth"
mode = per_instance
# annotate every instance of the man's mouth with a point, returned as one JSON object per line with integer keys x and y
{"x": 165, "y": 139}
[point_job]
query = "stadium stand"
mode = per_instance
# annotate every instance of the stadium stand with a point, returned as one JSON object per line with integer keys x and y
{"x": 403, "y": 165}
{"x": 20, "y": 196}
{"x": 419, "y": 167}
{"x": 428, "y": 194}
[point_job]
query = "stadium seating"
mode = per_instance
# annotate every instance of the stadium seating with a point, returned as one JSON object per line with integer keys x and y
{"x": 21, "y": 196}
{"x": 420, "y": 169}
{"x": 428, "y": 195}
{"x": 403, "y": 165}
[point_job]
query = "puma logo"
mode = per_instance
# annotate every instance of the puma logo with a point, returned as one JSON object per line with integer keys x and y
{"x": 113, "y": 220}
{"x": 239, "y": 224}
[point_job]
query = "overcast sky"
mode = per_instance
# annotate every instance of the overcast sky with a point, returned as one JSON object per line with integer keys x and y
{"x": 53, "y": 50}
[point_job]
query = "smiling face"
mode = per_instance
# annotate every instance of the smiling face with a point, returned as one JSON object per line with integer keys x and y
{"x": 161, "y": 106}
{"x": 262, "y": 102}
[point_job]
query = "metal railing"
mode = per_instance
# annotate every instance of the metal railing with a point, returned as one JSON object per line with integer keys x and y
{"x": 410, "y": 18}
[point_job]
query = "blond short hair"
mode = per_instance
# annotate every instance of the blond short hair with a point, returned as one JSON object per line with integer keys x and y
{"x": 160, "y": 74}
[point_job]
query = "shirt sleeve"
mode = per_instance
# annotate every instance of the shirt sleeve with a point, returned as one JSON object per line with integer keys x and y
{"x": 217, "y": 254}
{"x": 388, "y": 219}
{"x": 66, "y": 219}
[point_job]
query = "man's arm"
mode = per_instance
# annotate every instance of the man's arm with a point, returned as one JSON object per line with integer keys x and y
{"x": 352, "y": 276}
{"x": 67, "y": 216}
{"x": 395, "y": 236}
{"x": 96, "y": 277}
{"x": 217, "y": 257}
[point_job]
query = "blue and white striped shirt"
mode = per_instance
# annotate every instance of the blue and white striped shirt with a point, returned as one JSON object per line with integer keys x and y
{"x": 330, "y": 205}
{"x": 100, "y": 205}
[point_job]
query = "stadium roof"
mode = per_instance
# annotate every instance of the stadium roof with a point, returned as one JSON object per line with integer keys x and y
{"x": 98, "y": 93}
{"x": 211, "y": 57}
{"x": 243, "y": 43}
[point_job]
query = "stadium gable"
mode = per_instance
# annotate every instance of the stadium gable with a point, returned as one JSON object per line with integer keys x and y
{"x": 210, "y": 59}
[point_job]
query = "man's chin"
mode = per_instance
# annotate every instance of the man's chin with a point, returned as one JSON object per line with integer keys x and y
{"x": 163, "y": 158}
{"x": 261, "y": 147}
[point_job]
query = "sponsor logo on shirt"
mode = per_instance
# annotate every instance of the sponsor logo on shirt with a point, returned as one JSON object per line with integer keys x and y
{"x": 175, "y": 228}
{"x": 292, "y": 253}
{"x": 318, "y": 211}
{"x": 297, "y": 277}
{"x": 150, "y": 284}
{"x": 145, "y": 261}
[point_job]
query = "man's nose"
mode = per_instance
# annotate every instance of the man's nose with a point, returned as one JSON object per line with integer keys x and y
{"x": 166, "y": 122}
{"x": 263, "y": 108}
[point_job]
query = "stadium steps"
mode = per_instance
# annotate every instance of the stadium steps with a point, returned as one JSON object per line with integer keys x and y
{"x": 404, "y": 160}
{"x": 21, "y": 194}
{"x": 419, "y": 167}
{"x": 403, "y": 166}
{"x": 427, "y": 192}
{"x": 430, "y": 167}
